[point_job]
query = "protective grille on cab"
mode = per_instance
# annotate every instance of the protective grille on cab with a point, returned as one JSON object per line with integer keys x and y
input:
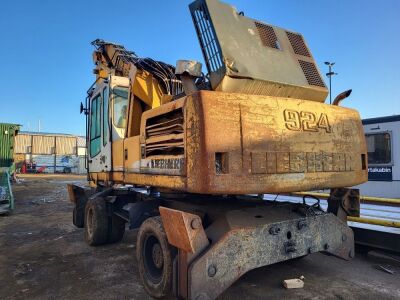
{"x": 267, "y": 35}
{"x": 311, "y": 73}
{"x": 298, "y": 45}
{"x": 206, "y": 34}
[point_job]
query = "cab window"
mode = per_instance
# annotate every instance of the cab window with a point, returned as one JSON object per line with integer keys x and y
{"x": 120, "y": 106}
{"x": 105, "y": 116}
{"x": 379, "y": 148}
{"x": 95, "y": 126}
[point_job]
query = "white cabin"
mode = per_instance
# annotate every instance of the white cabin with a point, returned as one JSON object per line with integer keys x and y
{"x": 383, "y": 143}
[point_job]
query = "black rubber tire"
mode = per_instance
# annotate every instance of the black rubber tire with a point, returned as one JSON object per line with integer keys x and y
{"x": 116, "y": 230}
{"x": 78, "y": 222}
{"x": 78, "y": 216}
{"x": 96, "y": 222}
{"x": 156, "y": 280}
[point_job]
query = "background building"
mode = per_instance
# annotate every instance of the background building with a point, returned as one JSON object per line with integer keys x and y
{"x": 50, "y": 152}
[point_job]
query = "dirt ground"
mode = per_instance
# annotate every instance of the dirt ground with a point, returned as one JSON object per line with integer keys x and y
{"x": 43, "y": 256}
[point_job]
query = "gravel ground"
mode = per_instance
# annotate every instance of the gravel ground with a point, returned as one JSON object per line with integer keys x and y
{"x": 43, "y": 256}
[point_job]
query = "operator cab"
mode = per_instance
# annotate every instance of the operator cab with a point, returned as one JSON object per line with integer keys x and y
{"x": 108, "y": 106}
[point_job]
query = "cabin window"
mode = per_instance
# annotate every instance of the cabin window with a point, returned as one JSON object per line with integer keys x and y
{"x": 379, "y": 147}
{"x": 95, "y": 126}
{"x": 120, "y": 106}
{"x": 105, "y": 116}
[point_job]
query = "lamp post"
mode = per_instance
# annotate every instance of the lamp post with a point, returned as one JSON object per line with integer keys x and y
{"x": 329, "y": 74}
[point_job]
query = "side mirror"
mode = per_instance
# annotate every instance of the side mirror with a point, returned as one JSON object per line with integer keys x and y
{"x": 81, "y": 108}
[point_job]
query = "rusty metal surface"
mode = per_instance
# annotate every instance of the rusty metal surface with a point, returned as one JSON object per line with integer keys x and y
{"x": 271, "y": 144}
{"x": 184, "y": 230}
{"x": 259, "y": 237}
{"x": 364, "y": 233}
{"x": 264, "y": 145}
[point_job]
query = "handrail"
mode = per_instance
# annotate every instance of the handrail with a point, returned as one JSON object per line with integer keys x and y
{"x": 362, "y": 198}
{"x": 380, "y": 222}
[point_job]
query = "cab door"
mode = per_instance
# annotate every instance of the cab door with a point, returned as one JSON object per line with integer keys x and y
{"x": 99, "y": 130}
{"x": 105, "y": 153}
{"x": 95, "y": 134}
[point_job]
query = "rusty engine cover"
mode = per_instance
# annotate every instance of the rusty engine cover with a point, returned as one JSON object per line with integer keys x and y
{"x": 238, "y": 143}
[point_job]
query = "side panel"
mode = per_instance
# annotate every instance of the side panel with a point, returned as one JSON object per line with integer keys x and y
{"x": 258, "y": 144}
{"x": 239, "y": 144}
{"x": 118, "y": 156}
{"x": 132, "y": 155}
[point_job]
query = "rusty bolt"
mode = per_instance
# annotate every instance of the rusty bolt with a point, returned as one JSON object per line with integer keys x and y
{"x": 274, "y": 230}
{"x": 196, "y": 223}
{"x": 212, "y": 270}
{"x": 301, "y": 224}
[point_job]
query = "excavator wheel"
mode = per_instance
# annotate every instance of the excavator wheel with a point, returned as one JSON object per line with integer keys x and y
{"x": 96, "y": 222}
{"x": 155, "y": 258}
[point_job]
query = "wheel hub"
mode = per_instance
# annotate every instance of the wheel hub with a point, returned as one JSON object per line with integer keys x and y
{"x": 157, "y": 255}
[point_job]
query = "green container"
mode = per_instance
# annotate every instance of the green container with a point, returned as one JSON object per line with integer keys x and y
{"x": 7, "y": 138}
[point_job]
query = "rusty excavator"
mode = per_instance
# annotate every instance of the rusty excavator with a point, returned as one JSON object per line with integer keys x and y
{"x": 184, "y": 157}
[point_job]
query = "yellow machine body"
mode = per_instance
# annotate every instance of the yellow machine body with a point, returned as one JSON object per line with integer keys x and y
{"x": 231, "y": 143}
{"x": 250, "y": 131}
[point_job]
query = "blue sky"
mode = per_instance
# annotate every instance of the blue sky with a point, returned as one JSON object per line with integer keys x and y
{"x": 46, "y": 64}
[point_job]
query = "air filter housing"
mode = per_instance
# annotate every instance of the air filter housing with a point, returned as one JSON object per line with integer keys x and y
{"x": 244, "y": 55}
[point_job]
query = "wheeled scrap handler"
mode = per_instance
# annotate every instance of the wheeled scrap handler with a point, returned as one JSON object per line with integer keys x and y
{"x": 179, "y": 155}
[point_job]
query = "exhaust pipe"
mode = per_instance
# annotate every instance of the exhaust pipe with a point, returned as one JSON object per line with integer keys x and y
{"x": 341, "y": 96}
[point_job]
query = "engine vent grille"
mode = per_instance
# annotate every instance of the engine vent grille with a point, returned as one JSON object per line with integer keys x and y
{"x": 298, "y": 45}
{"x": 311, "y": 73}
{"x": 165, "y": 134}
{"x": 207, "y": 37}
{"x": 267, "y": 35}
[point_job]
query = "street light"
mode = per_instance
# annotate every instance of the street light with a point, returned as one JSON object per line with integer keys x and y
{"x": 330, "y": 74}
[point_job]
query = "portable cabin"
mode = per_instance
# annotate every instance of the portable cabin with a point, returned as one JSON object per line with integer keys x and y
{"x": 383, "y": 144}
